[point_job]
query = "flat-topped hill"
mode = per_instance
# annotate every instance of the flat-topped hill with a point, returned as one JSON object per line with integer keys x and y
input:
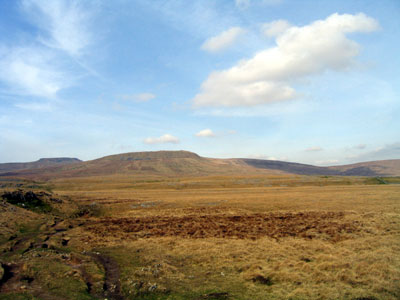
{"x": 41, "y": 163}
{"x": 150, "y": 155}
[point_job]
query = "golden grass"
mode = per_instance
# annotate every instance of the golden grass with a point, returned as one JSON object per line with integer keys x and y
{"x": 298, "y": 269}
{"x": 341, "y": 240}
{"x": 364, "y": 263}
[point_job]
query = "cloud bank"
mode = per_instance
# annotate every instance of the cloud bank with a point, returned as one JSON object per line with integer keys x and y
{"x": 299, "y": 52}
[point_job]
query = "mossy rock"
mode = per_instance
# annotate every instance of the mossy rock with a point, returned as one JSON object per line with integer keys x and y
{"x": 28, "y": 200}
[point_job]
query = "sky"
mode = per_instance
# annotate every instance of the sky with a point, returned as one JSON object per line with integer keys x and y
{"x": 315, "y": 82}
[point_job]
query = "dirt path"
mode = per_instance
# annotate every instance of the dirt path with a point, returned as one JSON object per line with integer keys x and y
{"x": 112, "y": 285}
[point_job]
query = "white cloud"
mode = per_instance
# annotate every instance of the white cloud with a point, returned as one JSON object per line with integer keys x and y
{"x": 31, "y": 71}
{"x": 275, "y": 28}
{"x": 144, "y": 97}
{"x": 299, "y": 52}
{"x": 314, "y": 149}
{"x": 65, "y": 23}
{"x": 164, "y": 139}
{"x": 205, "y": 133}
{"x": 222, "y": 41}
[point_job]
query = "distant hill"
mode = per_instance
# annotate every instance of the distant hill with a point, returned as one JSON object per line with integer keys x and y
{"x": 158, "y": 163}
{"x": 372, "y": 168}
{"x": 41, "y": 163}
{"x": 289, "y": 167}
{"x": 184, "y": 163}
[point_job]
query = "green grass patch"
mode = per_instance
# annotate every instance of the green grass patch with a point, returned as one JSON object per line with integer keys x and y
{"x": 376, "y": 180}
{"x": 57, "y": 279}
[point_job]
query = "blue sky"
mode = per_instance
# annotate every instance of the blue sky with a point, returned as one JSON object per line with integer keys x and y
{"x": 308, "y": 81}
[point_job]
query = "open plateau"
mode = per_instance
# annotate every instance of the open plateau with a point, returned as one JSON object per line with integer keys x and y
{"x": 174, "y": 225}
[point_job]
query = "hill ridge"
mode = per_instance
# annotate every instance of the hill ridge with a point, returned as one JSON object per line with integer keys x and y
{"x": 186, "y": 163}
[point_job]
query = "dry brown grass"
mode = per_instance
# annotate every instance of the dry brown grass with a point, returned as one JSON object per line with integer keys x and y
{"x": 234, "y": 237}
{"x": 305, "y": 237}
{"x": 200, "y": 224}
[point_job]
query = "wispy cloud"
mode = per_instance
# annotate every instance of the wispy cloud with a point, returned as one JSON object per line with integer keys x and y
{"x": 299, "y": 52}
{"x": 44, "y": 63}
{"x": 223, "y": 40}
{"x": 143, "y": 97}
{"x": 164, "y": 139}
{"x": 314, "y": 149}
{"x": 31, "y": 71}
{"x": 64, "y": 24}
{"x": 205, "y": 133}
{"x": 389, "y": 151}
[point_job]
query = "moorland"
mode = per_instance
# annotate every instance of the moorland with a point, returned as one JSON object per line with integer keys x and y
{"x": 174, "y": 225}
